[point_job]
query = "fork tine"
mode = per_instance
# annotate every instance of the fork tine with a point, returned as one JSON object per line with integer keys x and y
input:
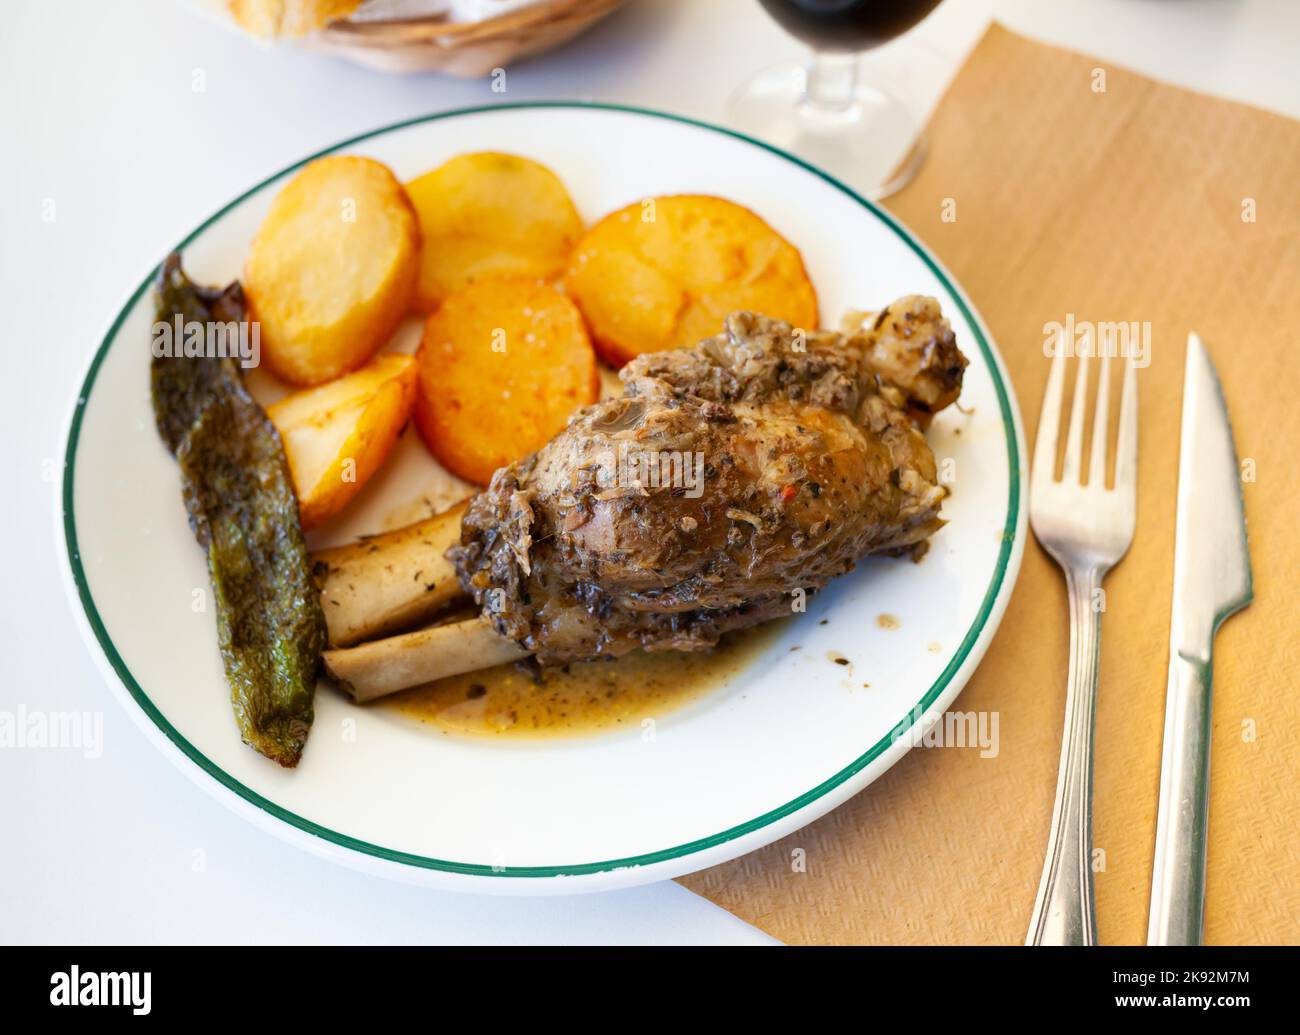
{"x": 1100, "y": 427}
{"x": 1126, "y": 450}
{"x": 1049, "y": 420}
{"x": 1074, "y": 440}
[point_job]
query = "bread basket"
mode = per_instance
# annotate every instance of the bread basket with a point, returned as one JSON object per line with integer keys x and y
{"x": 469, "y": 49}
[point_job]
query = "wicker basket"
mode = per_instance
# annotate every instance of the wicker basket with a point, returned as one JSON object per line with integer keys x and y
{"x": 467, "y": 49}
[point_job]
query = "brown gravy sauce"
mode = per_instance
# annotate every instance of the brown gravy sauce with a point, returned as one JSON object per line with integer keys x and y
{"x": 582, "y": 699}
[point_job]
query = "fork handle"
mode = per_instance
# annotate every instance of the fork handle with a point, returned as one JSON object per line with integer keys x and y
{"x": 1063, "y": 910}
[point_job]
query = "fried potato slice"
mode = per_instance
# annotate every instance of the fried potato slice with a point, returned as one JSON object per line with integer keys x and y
{"x": 490, "y": 213}
{"x": 664, "y": 272}
{"x": 503, "y": 363}
{"x": 337, "y": 435}
{"x": 332, "y": 268}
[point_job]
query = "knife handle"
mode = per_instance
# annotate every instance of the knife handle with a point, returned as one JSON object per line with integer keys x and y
{"x": 1178, "y": 877}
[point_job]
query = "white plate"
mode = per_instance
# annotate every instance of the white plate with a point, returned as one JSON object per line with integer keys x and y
{"x": 782, "y": 744}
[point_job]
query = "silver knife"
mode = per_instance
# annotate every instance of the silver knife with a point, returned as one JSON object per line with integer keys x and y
{"x": 1211, "y": 581}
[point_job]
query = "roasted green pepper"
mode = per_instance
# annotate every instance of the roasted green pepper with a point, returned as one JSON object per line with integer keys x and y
{"x": 242, "y": 509}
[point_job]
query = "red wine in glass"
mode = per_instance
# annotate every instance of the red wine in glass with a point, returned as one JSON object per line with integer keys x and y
{"x": 823, "y": 110}
{"x": 852, "y": 25}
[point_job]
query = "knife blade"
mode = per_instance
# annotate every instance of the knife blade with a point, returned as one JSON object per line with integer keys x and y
{"x": 1212, "y": 580}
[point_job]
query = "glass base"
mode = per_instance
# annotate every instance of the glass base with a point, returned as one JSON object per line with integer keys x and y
{"x": 870, "y": 140}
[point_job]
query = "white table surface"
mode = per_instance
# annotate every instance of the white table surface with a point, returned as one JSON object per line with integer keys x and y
{"x": 99, "y": 118}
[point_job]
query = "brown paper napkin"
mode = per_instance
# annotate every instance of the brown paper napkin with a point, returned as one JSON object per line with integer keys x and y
{"x": 1143, "y": 202}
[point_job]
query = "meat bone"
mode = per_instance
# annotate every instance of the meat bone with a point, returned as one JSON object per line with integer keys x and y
{"x": 383, "y": 585}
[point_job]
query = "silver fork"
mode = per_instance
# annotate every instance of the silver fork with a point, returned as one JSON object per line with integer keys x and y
{"x": 1086, "y": 529}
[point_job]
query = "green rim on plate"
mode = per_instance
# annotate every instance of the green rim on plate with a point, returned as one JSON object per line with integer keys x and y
{"x": 663, "y": 855}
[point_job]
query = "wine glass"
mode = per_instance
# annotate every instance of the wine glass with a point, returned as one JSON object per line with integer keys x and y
{"x": 825, "y": 110}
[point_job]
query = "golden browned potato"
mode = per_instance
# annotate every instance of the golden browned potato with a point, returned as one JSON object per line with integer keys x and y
{"x": 336, "y": 436}
{"x": 503, "y": 363}
{"x": 489, "y": 213}
{"x": 664, "y": 272}
{"x": 332, "y": 268}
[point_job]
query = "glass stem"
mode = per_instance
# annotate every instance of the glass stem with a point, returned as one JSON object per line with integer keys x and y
{"x": 831, "y": 81}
